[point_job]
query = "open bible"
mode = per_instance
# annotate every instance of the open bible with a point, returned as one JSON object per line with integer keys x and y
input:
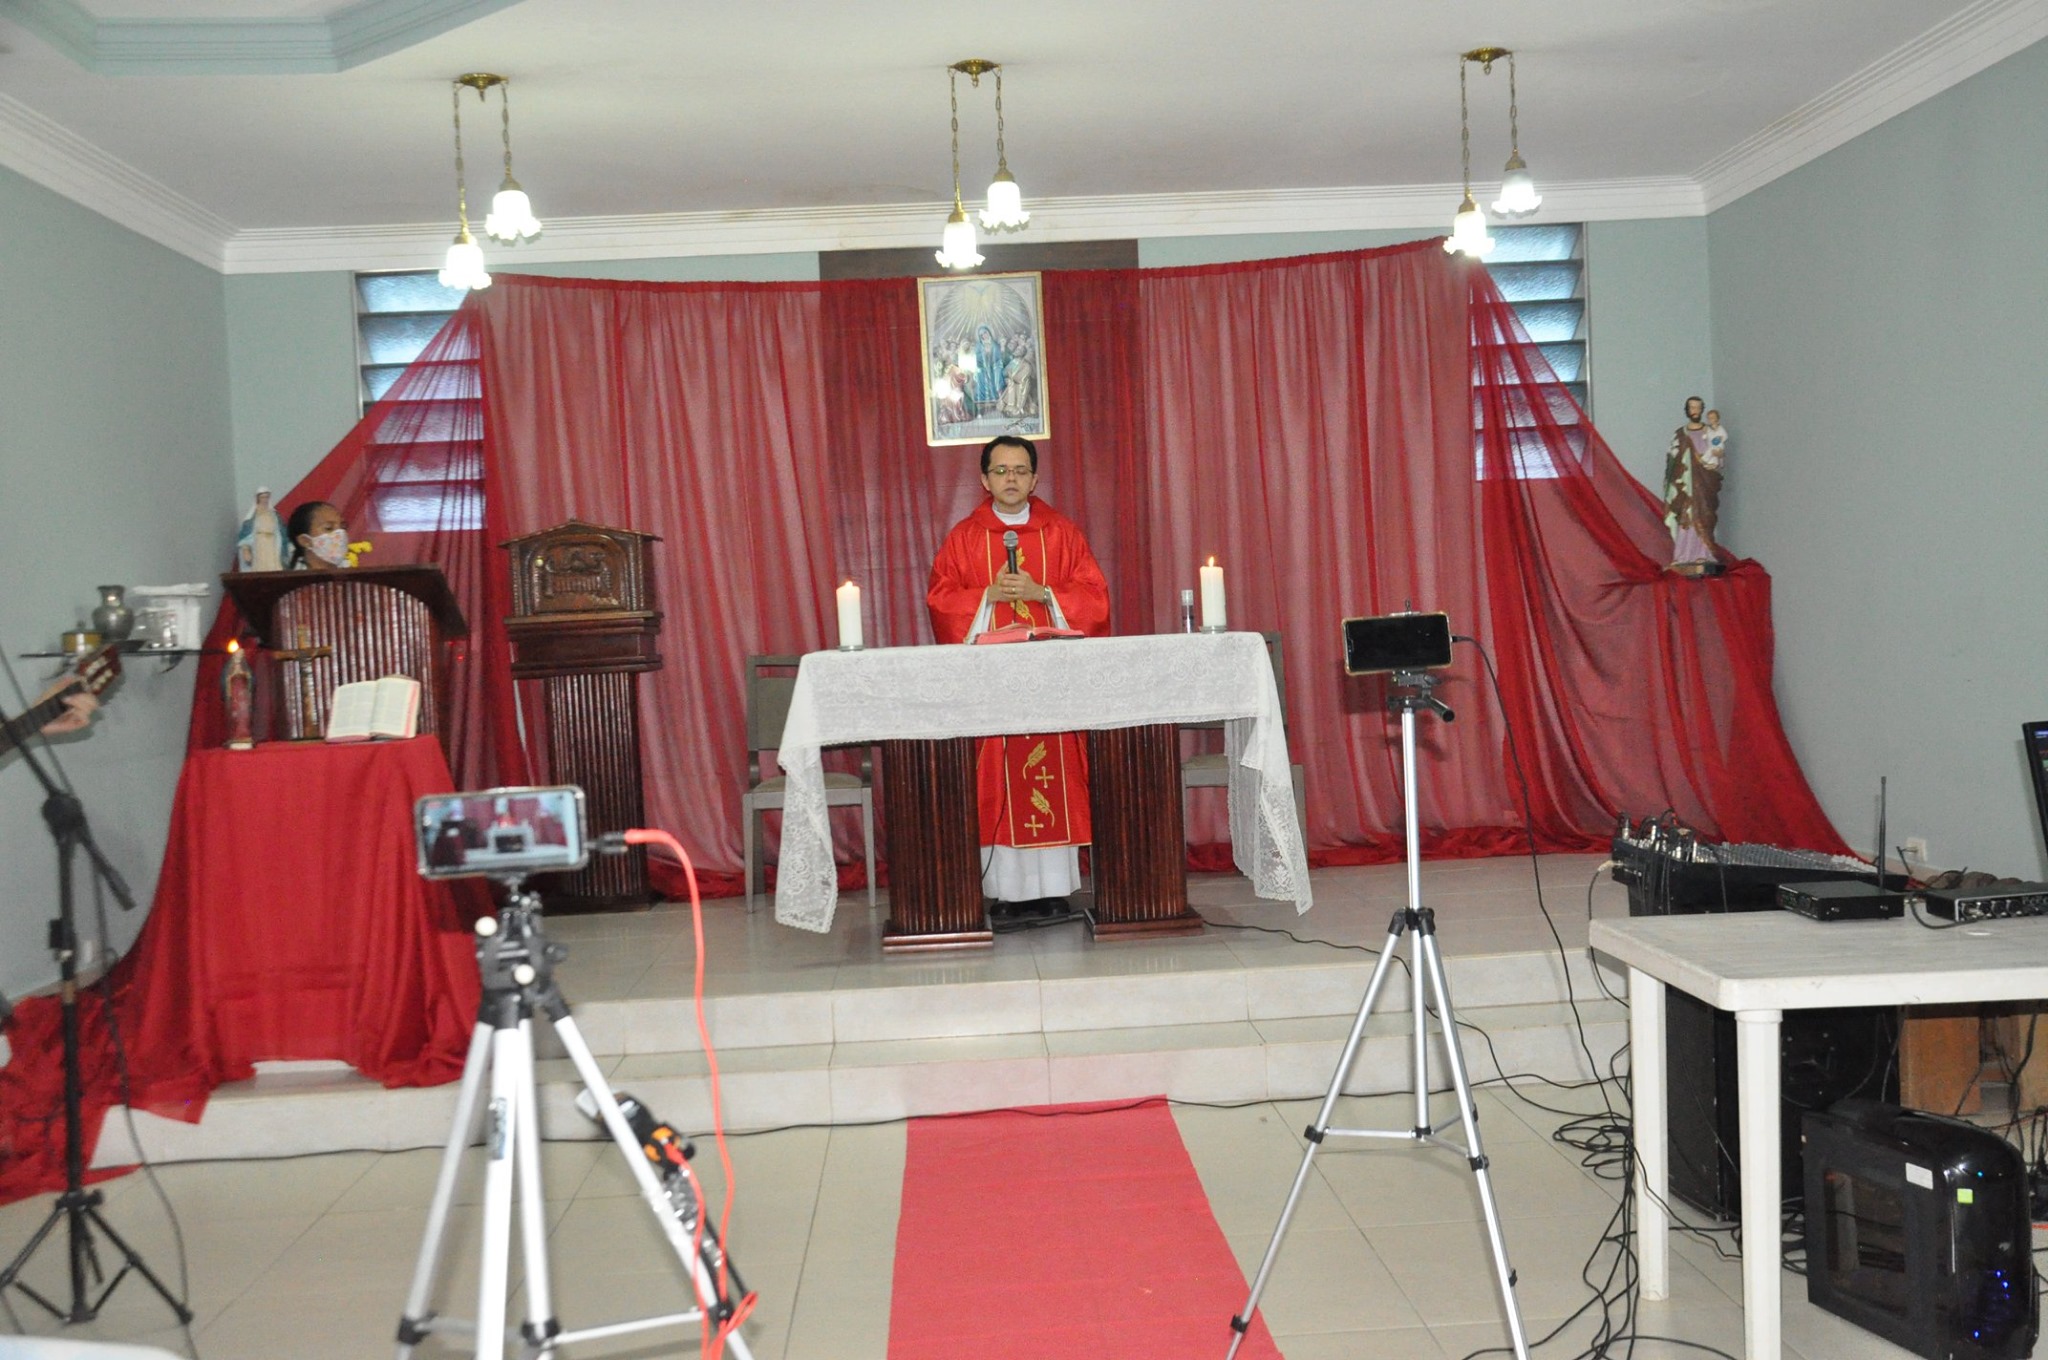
{"x": 1024, "y": 632}
{"x": 370, "y": 709}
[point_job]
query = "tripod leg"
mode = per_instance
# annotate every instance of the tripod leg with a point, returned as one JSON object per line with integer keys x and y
{"x": 702, "y": 1278}
{"x": 1417, "y": 1000}
{"x": 509, "y": 1057}
{"x": 1454, "y": 1055}
{"x": 412, "y": 1324}
{"x": 131, "y": 1261}
{"x": 1242, "y": 1323}
{"x": 541, "y": 1323}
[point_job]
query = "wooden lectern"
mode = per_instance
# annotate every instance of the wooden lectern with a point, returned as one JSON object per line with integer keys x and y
{"x": 362, "y": 623}
{"x": 584, "y": 623}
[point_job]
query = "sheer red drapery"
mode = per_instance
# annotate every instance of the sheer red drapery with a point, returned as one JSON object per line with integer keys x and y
{"x": 1348, "y": 434}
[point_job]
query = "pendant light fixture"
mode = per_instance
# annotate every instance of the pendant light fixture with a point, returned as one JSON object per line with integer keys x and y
{"x": 1518, "y": 196}
{"x": 1468, "y": 229}
{"x": 511, "y": 218}
{"x": 957, "y": 249}
{"x": 464, "y": 267}
{"x": 1005, "y": 209}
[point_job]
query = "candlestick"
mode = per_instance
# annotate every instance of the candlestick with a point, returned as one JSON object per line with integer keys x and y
{"x": 1213, "y": 618}
{"x": 849, "y": 618}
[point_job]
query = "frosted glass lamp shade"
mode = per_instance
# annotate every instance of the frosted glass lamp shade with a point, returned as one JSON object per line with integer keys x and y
{"x": 511, "y": 218}
{"x": 958, "y": 249}
{"x": 1005, "y": 210}
{"x": 1518, "y": 196}
{"x": 1468, "y": 232}
{"x": 464, "y": 267}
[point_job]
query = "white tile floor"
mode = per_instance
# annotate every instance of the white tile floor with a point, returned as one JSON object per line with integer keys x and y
{"x": 309, "y": 1258}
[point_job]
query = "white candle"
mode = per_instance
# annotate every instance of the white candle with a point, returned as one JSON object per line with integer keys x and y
{"x": 1212, "y": 596}
{"x": 849, "y": 615}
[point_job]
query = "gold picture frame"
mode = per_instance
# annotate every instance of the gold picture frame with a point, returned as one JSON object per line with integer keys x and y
{"x": 982, "y": 338}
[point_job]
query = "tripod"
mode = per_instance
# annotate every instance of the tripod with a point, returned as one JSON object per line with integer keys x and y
{"x": 77, "y": 1208}
{"x": 517, "y": 964}
{"x": 1411, "y": 692}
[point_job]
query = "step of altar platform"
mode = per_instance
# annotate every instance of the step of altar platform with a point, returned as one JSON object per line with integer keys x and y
{"x": 941, "y": 1036}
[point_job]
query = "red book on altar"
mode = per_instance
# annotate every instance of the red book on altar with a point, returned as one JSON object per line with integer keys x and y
{"x": 1024, "y": 632}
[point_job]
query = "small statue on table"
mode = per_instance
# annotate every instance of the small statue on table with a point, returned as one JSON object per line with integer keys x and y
{"x": 1692, "y": 490}
{"x": 259, "y": 545}
{"x": 238, "y": 699}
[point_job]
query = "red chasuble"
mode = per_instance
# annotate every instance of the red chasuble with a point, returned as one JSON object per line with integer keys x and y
{"x": 1034, "y": 788}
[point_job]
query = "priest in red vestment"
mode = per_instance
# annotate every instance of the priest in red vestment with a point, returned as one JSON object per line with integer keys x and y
{"x": 1033, "y": 788}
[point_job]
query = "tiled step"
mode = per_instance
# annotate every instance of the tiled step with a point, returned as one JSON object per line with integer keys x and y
{"x": 913, "y": 1001}
{"x": 852, "y": 1079}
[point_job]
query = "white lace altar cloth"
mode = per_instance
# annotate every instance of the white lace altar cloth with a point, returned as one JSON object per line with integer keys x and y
{"x": 1069, "y": 685}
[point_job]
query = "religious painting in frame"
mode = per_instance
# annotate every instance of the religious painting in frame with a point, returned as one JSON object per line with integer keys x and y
{"x": 983, "y": 338}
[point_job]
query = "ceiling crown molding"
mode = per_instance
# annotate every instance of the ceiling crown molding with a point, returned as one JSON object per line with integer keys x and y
{"x": 362, "y": 32}
{"x": 65, "y": 163}
{"x": 1945, "y": 55}
{"x": 881, "y": 226}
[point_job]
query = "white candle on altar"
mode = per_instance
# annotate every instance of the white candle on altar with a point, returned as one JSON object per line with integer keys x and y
{"x": 849, "y": 616}
{"x": 1212, "y": 597}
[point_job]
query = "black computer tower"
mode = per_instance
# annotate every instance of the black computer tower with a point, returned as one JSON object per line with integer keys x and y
{"x": 1824, "y": 1056}
{"x": 1917, "y": 1229}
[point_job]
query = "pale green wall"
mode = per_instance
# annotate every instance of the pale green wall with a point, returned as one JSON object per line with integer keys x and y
{"x": 1877, "y": 317}
{"x": 114, "y": 456}
{"x": 1649, "y": 339}
{"x": 1167, "y": 252}
{"x": 291, "y": 373}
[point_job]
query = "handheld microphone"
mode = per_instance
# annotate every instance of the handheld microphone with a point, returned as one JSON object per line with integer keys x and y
{"x": 1010, "y": 546}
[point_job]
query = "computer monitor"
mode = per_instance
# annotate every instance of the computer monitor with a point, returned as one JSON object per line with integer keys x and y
{"x": 2034, "y": 736}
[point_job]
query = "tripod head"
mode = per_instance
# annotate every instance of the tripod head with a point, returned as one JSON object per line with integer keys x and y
{"x": 1415, "y": 692}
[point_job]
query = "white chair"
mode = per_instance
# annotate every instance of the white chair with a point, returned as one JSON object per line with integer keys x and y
{"x": 771, "y": 681}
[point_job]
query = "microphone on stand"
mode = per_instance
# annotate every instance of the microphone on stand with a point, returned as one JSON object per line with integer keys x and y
{"x": 1010, "y": 546}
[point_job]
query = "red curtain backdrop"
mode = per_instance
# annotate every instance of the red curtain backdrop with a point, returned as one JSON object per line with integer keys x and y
{"x": 1347, "y": 434}
{"x": 289, "y": 922}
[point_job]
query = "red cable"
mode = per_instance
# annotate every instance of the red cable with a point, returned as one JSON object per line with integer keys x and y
{"x": 713, "y": 1345}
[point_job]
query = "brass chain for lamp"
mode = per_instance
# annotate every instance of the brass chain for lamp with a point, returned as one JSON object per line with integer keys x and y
{"x": 505, "y": 113}
{"x": 461, "y": 190}
{"x": 1464, "y": 126}
{"x": 953, "y": 92}
{"x": 1514, "y": 113}
{"x": 1002, "y": 160}
{"x": 480, "y": 81}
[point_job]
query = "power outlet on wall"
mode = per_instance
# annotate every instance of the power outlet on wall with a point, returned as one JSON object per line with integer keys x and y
{"x": 1914, "y": 848}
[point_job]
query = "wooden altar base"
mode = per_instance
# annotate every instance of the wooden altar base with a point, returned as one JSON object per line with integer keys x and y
{"x": 1140, "y": 857}
{"x": 929, "y": 801}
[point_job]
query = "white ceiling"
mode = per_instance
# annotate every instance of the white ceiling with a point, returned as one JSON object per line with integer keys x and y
{"x": 723, "y": 114}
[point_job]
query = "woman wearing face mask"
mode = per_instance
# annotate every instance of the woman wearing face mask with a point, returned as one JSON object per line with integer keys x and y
{"x": 319, "y": 537}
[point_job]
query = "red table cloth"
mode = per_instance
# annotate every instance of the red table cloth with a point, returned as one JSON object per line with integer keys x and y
{"x": 290, "y": 922}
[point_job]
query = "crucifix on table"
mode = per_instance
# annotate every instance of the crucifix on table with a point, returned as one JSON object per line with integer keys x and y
{"x": 305, "y": 702}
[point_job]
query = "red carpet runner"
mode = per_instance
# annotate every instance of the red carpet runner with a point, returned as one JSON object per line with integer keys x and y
{"x": 1071, "y": 1230}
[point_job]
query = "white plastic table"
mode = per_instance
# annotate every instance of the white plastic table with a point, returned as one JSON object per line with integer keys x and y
{"x": 1760, "y": 965}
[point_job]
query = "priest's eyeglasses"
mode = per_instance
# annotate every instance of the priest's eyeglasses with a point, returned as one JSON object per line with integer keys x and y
{"x": 1021, "y": 470}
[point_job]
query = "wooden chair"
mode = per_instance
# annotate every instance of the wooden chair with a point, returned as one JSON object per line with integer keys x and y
{"x": 771, "y": 681}
{"x": 1211, "y": 769}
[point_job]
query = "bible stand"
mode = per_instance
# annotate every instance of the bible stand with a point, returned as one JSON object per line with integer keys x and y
{"x": 77, "y": 1208}
{"x": 517, "y": 963}
{"x": 1427, "y": 986}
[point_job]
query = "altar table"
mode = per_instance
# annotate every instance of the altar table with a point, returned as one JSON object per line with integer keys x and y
{"x": 937, "y": 693}
{"x": 1759, "y": 965}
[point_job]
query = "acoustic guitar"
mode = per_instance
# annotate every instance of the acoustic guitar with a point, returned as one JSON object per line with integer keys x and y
{"x": 93, "y": 673}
